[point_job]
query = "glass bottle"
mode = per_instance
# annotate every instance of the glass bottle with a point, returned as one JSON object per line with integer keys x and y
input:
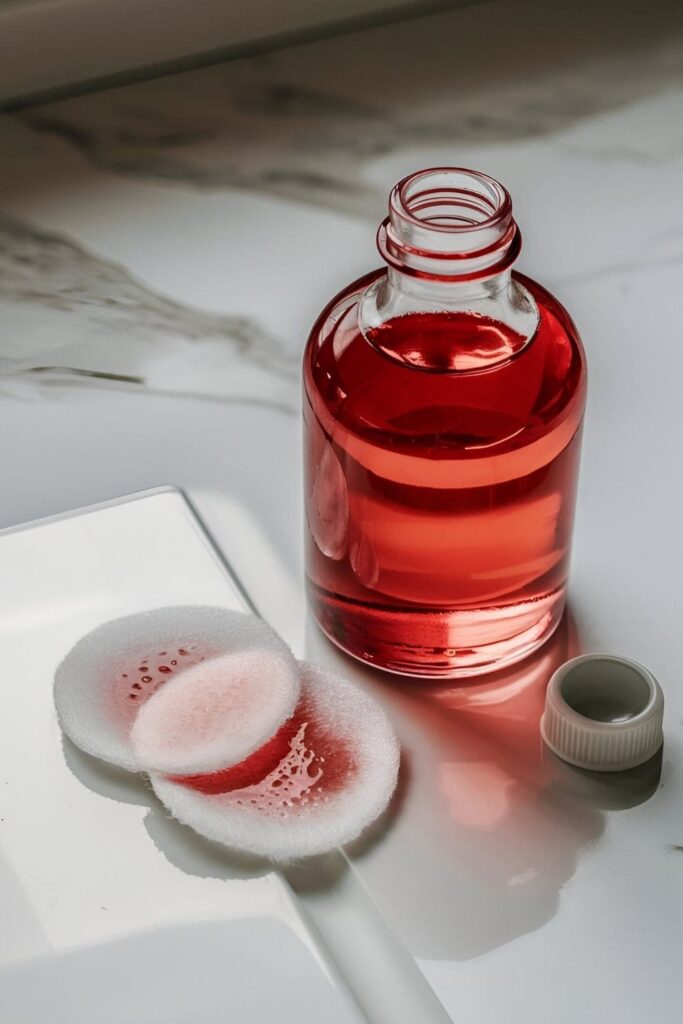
{"x": 443, "y": 402}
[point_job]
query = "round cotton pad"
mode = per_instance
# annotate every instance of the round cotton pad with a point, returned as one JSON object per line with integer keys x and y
{"x": 216, "y": 713}
{"x": 112, "y": 671}
{"x": 336, "y": 777}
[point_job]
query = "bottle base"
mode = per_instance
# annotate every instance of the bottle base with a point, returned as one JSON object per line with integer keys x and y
{"x": 438, "y": 644}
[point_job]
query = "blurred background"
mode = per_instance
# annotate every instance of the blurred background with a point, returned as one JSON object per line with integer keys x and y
{"x": 57, "y": 45}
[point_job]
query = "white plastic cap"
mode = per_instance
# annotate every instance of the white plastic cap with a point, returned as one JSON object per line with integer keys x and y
{"x": 603, "y": 713}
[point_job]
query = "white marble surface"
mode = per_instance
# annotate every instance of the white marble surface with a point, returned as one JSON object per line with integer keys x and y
{"x": 164, "y": 249}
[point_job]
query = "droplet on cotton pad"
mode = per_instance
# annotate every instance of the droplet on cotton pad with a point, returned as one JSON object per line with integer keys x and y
{"x": 336, "y": 776}
{"x": 216, "y": 713}
{"x": 113, "y": 671}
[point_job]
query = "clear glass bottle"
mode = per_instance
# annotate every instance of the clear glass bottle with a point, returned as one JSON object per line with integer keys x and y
{"x": 443, "y": 401}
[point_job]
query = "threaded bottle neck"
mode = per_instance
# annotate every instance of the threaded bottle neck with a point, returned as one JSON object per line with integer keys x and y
{"x": 449, "y": 224}
{"x": 450, "y": 241}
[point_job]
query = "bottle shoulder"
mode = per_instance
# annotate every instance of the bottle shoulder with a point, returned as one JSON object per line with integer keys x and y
{"x": 408, "y": 393}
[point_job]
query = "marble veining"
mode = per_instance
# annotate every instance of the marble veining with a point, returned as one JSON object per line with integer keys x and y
{"x": 90, "y": 322}
{"x": 304, "y": 123}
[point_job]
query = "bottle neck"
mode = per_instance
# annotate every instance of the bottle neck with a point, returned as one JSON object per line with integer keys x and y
{"x": 449, "y": 241}
{"x": 440, "y": 294}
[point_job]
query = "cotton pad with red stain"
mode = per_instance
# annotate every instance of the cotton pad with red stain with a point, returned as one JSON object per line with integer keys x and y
{"x": 216, "y": 713}
{"x": 323, "y": 778}
{"x": 107, "y": 678}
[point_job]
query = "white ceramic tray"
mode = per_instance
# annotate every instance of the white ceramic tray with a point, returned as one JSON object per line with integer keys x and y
{"x": 111, "y": 911}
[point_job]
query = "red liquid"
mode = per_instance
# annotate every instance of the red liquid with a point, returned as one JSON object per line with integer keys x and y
{"x": 141, "y": 689}
{"x": 302, "y": 764}
{"x": 249, "y": 771}
{"x": 305, "y": 762}
{"x": 441, "y": 459}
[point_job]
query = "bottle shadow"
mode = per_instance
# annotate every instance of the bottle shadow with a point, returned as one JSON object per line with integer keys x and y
{"x": 490, "y": 826}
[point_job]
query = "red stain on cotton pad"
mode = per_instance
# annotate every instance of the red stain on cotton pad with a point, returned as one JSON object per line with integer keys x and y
{"x": 248, "y": 771}
{"x": 135, "y": 681}
{"x": 304, "y": 747}
{"x": 217, "y": 713}
{"x": 335, "y": 779}
{"x": 112, "y": 674}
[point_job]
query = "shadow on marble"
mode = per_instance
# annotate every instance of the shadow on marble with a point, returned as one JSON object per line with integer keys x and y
{"x": 492, "y": 827}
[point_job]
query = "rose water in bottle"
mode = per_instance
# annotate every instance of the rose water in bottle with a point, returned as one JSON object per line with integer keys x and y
{"x": 443, "y": 401}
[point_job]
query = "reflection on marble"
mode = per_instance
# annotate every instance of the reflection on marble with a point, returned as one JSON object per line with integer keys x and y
{"x": 486, "y": 839}
{"x": 304, "y": 123}
{"x": 90, "y": 321}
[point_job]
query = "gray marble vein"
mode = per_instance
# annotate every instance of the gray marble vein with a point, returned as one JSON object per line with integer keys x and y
{"x": 71, "y": 317}
{"x": 305, "y": 123}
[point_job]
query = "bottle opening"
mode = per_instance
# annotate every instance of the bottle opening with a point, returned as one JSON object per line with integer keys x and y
{"x": 449, "y": 222}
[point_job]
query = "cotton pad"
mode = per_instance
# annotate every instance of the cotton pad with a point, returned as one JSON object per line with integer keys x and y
{"x": 337, "y": 775}
{"x": 111, "y": 672}
{"x": 216, "y": 713}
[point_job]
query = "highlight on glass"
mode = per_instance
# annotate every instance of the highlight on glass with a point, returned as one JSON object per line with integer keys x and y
{"x": 443, "y": 403}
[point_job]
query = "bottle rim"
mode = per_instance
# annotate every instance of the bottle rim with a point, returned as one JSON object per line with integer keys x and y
{"x": 449, "y": 223}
